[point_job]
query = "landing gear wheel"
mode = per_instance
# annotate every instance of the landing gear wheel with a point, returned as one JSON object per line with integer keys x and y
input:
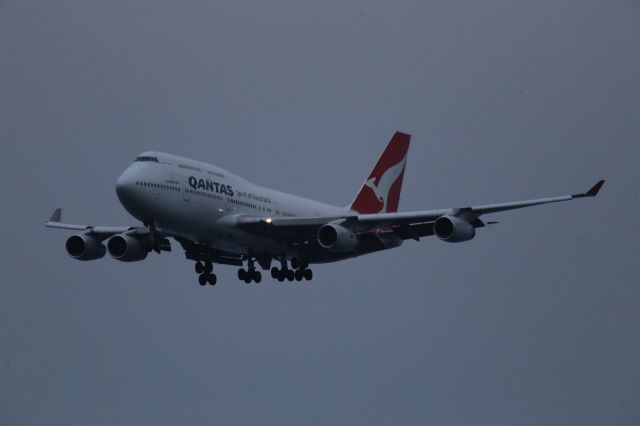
{"x": 281, "y": 275}
{"x": 199, "y": 267}
{"x": 208, "y": 267}
{"x": 257, "y": 276}
{"x": 308, "y": 275}
{"x": 290, "y": 274}
{"x": 242, "y": 274}
{"x": 295, "y": 263}
{"x": 212, "y": 279}
{"x": 304, "y": 264}
{"x": 299, "y": 274}
{"x": 202, "y": 279}
{"x": 274, "y": 272}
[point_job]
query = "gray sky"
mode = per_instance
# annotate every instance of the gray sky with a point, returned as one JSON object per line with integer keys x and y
{"x": 533, "y": 322}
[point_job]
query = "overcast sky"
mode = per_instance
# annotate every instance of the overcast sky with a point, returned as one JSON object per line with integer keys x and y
{"x": 535, "y": 321}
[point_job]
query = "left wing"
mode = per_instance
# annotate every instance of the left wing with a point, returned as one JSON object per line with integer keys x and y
{"x": 154, "y": 239}
{"x": 406, "y": 224}
{"x": 101, "y": 232}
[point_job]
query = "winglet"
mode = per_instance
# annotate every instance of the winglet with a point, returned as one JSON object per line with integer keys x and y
{"x": 592, "y": 192}
{"x": 56, "y": 216}
{"x": 595, "y": 189}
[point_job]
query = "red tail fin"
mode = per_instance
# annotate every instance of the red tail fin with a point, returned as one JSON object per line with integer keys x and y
{"x": 380, "y": 193}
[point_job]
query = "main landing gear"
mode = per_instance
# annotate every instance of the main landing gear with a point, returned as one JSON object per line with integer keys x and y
{"x": 206, "y": 275}
{"x": 299, "y": 272}
{"x": 250, "y": 274}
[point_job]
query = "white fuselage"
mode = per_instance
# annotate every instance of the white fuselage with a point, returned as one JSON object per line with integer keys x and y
{"x": 202, "y": 202}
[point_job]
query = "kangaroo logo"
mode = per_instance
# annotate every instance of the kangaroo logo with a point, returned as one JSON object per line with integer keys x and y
{"x": 381, "y": 191}
{"x": 383, "y": 186}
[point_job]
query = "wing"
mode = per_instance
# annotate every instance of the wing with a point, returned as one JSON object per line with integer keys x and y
{"x": 157, "y": 240}
{"x": 100, "y": 232}
{"x": 406, "y": 224}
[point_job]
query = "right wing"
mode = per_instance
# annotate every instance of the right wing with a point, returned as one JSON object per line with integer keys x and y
{"x": 406, "y": 224}
{"x": 390, "y": 219}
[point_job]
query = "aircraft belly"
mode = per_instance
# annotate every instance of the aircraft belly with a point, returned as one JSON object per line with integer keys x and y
{"x": 242, "y": 242}
{"x": 205, "y": 225}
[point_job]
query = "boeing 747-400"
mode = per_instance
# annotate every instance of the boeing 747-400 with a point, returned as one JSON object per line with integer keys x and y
{"x": 220, "y": 218}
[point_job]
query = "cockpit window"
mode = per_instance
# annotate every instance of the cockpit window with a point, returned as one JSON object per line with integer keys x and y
{"x": 145, "y": 158}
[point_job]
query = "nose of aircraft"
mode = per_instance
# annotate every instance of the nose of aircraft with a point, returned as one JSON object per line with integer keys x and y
{"x": 125, "y": 187}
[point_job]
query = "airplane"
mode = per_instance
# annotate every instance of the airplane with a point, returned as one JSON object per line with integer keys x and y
{"x": 220, "y": 218}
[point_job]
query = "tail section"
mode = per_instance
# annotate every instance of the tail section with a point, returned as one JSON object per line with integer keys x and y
{"x": 380, "y": 193}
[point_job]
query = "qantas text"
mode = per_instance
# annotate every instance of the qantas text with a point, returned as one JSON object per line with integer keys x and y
{"x": 211, "y": 186}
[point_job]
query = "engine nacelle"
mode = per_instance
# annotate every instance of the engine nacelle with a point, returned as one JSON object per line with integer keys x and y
{"x": 84, "y": 247}
{"x": 453, "y": 229}
{"x": 337, "y": 238}
{"x": 126, "y": 248}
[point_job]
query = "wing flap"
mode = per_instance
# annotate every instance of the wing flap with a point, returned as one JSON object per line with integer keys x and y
{"x": 414, "y": 231}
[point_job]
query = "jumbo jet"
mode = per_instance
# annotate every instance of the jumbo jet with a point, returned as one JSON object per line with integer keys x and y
{"x": 220, "y": 218}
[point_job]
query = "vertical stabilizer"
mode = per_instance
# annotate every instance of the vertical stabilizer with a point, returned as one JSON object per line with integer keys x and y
{"x": 380, "y": 193}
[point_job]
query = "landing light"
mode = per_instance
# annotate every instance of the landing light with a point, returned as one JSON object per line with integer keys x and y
{"x": 268, "y": 220}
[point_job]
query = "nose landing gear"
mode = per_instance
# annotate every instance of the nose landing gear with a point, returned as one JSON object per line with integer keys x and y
{"x": 206, "y": 275}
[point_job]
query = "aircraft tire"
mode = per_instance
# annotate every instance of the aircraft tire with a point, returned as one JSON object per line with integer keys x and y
{"x": 202, "y": 279}
{"x": 212, "y": 279}
{"x": 274, "y": 272}
{"x": 257, "y": 276}
{"x": 308, "y": 274}
{"x": 295, "y": 263}
{"x": 208, "y": 267}
{"x": 299, "y": 275}
{"x": 290, "y": 274}
{"x": 199, "y": 267}
{"x": 242, "y": 274}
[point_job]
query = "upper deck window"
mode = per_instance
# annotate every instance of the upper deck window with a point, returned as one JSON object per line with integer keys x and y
{"x": 185, "y": 166}
{"x": 145, "y": 158}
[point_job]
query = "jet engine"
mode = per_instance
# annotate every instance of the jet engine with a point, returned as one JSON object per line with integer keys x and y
{"x": 453, "y": 229}
{"x": 126, "y": 248}
{"x": 84, "y": 247}
{"x": 337, "y": 238}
